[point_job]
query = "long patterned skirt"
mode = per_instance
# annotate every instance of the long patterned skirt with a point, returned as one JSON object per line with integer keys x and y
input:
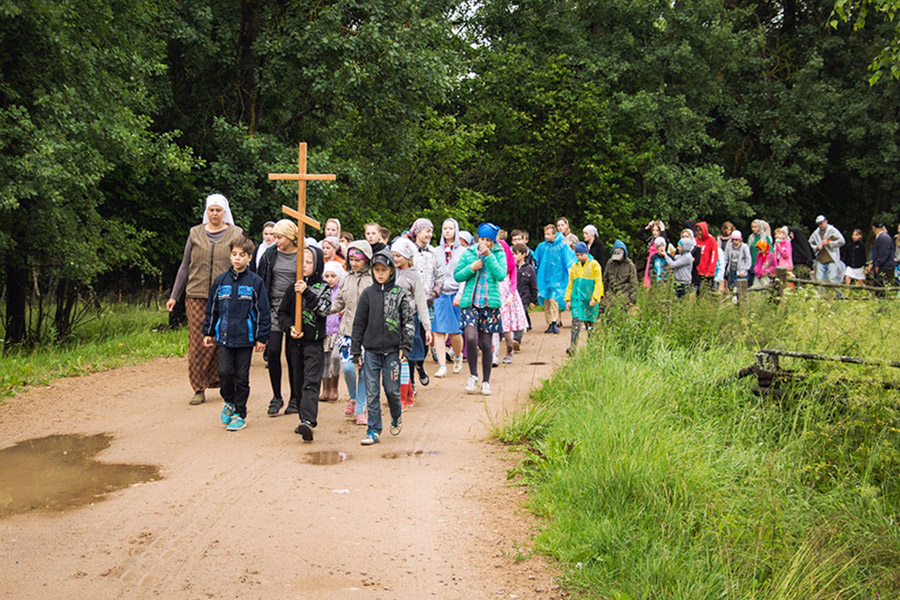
{"x": 203, "y": 362}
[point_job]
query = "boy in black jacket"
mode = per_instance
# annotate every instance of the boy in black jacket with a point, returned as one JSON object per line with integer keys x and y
{"x": 383, "y": 325}
{"x": 237, "y": 315}
{"x": 306, "y": 346}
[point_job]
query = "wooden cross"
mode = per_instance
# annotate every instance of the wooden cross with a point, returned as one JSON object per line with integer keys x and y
{"x": 301, "y": 177}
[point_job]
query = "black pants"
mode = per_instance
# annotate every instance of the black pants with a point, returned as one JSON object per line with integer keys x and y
{"x": 881, "y": 279}
{"x": 307, "y": 363}
{"x": 273, "y": 352}
{"x": 234, "y": 376}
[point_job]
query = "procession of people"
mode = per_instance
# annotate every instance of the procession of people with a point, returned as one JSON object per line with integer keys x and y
{"x": 374, "y": 309}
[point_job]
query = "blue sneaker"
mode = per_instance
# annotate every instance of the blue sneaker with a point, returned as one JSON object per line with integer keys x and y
{"x": 371, "y": 438}
{"x": 396, "y": 426}
{"x": 237, "y": 423}
{"x": 227, "y": 411}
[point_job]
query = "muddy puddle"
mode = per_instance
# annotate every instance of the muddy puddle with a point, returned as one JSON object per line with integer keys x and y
{"x": 326, "y": 457}
{"x": 410, "y": 454}
{"x": 60, "y": 472}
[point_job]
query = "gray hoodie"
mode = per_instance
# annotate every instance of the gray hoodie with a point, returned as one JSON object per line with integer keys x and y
{"x": 737, "y": 259}
{"x": 682, "y": 263}
{"x": 450, "y": 286}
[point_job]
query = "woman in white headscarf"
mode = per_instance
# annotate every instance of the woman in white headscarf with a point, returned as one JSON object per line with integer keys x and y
{"x": 206, "y": 256}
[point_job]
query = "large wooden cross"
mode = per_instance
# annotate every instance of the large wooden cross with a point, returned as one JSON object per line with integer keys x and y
{"x": 301, "y": 177}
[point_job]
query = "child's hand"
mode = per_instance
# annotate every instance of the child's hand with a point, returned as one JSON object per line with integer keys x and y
{"x": 300, "y": 286}
{"x": 296, "y": 334}
{"x": 428, "y": 338}
{"x": 208, "y": 341}
{"x": 356, "y": 360}
{"x": 592, "y": 303}
{"x": 455, "y": 301}
{"x": 403, "y": 356}
{"x": 476, "y": 266}
{"x": 259, "y": 347}
{"x": 170, "y": 304}
{"x": 531, "y": 306}
{"x": 568, "y": 306}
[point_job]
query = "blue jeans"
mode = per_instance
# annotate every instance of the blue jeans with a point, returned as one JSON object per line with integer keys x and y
{"x": 733, "y": 278}
{"x": 827, "y": 272}
{"x": 387, "y": 368}
{"x": 355, "y": 385}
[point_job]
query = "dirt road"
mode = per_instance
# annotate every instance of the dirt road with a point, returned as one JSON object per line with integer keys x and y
{"x": 427, "y": 514}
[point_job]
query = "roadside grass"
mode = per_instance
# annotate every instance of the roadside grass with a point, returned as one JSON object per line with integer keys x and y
{"x": 657, "y": 474}
{"x": 123, "y": 335}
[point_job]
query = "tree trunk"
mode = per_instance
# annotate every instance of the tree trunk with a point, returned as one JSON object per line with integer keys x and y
{"x": 16, "y": 293}
{"x": 246, "y": 64}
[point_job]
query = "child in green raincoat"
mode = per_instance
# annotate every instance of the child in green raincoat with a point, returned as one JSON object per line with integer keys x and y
{"x": 584, "y": 293}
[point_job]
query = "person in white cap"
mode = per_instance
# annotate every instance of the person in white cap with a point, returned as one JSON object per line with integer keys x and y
{"x": 826, "y": 242}
{"x": 206, "y": 256}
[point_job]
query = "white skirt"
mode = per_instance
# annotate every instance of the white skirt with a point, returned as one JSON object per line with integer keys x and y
{"x": 858, "y": 274}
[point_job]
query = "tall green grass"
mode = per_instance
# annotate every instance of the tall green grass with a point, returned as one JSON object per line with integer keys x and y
{"x": 659, "y": 475}
{"x": 123, "y": 335}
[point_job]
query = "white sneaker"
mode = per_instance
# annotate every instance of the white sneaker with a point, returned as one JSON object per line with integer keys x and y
{"x": 457, "y": 364}
{"x": 472, "y": 384}
{"x": 441, "y": 372}
{"x": 485, "y": 389}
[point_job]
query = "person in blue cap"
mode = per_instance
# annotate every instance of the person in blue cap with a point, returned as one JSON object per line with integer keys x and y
{"x": 584, "y": 293}
{"x": 480, "y": 270}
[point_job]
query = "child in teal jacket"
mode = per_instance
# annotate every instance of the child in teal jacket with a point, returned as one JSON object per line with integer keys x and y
{"x": 481, "y": 268}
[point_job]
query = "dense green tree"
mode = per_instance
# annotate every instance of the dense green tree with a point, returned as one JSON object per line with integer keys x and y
{"x": 73, "y": 105}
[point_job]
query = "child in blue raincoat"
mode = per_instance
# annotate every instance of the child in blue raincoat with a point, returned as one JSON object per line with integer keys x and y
{"x": 584, "y": 292}
{"x": 553, "y": 258}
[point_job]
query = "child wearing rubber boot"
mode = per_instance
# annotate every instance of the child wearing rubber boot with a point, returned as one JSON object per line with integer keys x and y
{"x": 306, "y": 344}
{"x": 383, "y": 325}
{"x": 403, "y": 250}
{"x": 238, "y": 321}
{"x": 584, "y": 293}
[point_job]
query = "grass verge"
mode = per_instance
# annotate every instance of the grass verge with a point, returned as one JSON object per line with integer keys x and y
{"x": 659, "y": 475}
{"x": 123, "y": 335}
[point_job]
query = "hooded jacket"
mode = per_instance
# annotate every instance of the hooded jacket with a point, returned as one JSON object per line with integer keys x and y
{"x": 237, "y": 311}
{"x": 832, "y": 247}
{"x": 784, "y": 256}
{"x": 553, "y": 260}
{"x": 430, "y": 268}
{"x": 585, "y": 284}
{"x": 448, "y": 258}
{"x": 351, "y": 288}
{"x": 316, "y": 305}
{"x": 411, "y": 282}
{"x": 493, "y": 267}
{"x": 709, "y": 252}
{"x": 620, "y": 277}
{"x": 682, "y": 263}
{"x": 526, "y": 283}
{"x": 384, "y": 315}
{"x": 802, "y": 253}
{"x": 738, "y": 259}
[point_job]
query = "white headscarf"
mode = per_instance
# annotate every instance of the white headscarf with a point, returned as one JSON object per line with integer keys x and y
{"x": 220, "y": 201}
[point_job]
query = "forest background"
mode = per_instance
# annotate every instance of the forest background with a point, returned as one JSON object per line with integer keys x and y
{"x": 118, "y": 117}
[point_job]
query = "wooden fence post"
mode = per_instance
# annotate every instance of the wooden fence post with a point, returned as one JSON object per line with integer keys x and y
{"x": 742, "y": 291}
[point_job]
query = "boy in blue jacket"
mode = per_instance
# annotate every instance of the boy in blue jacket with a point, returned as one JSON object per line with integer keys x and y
{"x": 238, "y": 320}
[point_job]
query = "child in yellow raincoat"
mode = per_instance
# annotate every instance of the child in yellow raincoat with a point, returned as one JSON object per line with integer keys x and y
{"x": 584, "y": 292}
